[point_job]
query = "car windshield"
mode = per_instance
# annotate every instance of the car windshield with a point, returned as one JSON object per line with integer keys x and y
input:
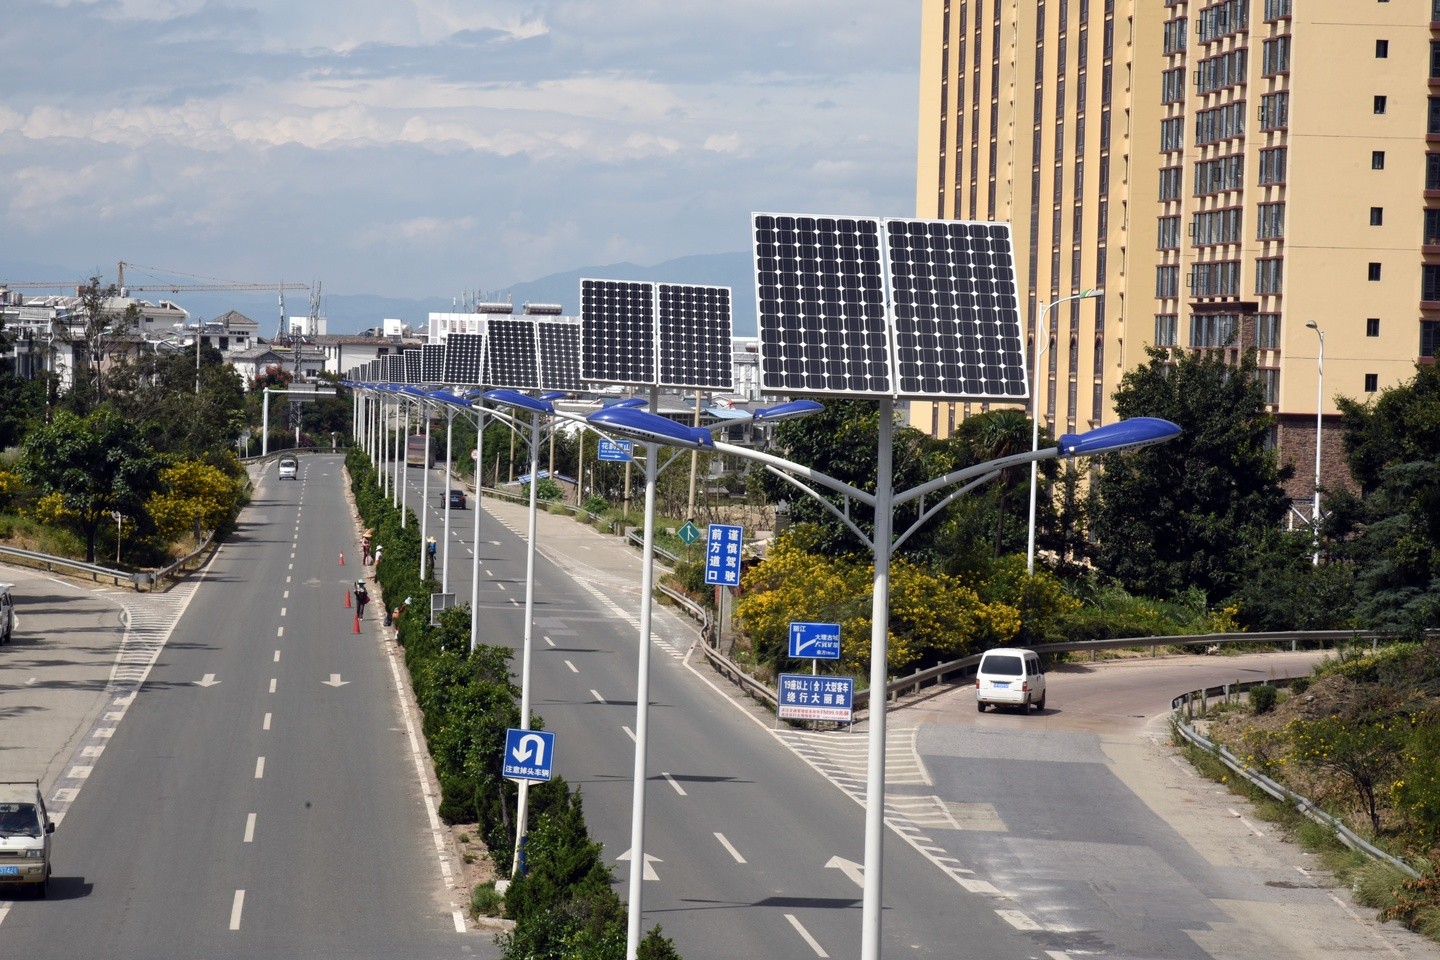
{"x": 19, "y": 820}
{"x": 1003, "y": 666}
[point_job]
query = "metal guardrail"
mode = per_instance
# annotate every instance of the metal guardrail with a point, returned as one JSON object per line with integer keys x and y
{"x": 30, "y": 558}
{"x": 737, "y": 674}
{"x": 1306, "y": 807}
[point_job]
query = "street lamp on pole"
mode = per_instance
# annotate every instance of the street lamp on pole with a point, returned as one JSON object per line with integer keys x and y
{"x": 1319, "y": 422}
{"x": 1042, "y": 343}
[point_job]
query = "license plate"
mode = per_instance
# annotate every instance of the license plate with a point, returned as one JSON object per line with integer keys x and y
{"x": 1000, "y": 685}
{"x": 9, "y": 871}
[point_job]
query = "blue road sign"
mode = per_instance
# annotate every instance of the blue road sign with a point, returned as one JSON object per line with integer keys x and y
{"x": 816, "y": 641}
{"x": 803, "y": 697}
{"x": 620, "y": 451}
{"x": 529, "y": 755}
{"x": 722, "y": 554}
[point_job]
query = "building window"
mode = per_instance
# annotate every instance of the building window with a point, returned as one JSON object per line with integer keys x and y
{"x": 1271, "y": 224}
{"x": 1269, "y": 274}
{"x": 1432, "y": 115}
{"x": 1379, "y": 105}
{"x": 1382, "y": 49}
{"x": 1221, "y": 19}
{"x": 1219, "y": 175}
{"x": 1170, "y": 183}
{"x": 1174, "y": 35}
{"x": 1274, "y": 111}
{"x": 1276, "y": 9}
{"x": 1429, "y": 337}
{"x": 1372, "y": 326}
{"x": 1377, "y": 216}
{"x": 1172, "y": 85}
{"x": 1429, "y": 282}
{"x": 1434, "y": 59}
{"x": 1215, "y": 330}
{"x": 1215, "y": 226}
{"x": 1167, "y": 281}
{"x": 1272, "y": 166}
{"x": 1222, "y": 123}
{"x": 1431, "y": 235}
{"x": 1372, "y": 382}
{"x": 1267, "y": 331}
{"x": 1172, "y": 134}
{"x": 1372, "y": 271}
{"x": 1219, "y": 278}
{"x": 1275, "y": 56}
{"x": 1215, "y": 73}
{"x": 1269, "y": 385}
{"x": 1169, "y": 233}
{"x": 1432, "y": 168}
{"x": 1377, "y": 159}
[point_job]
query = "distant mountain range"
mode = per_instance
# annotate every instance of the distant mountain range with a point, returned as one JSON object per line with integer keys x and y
{"x": 354, "y": 312}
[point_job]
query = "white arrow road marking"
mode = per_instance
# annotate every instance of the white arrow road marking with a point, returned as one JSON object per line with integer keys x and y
{"x": 850, "y": 868}
{"x": 209, "y": 681}
{"x": 649, "y": 872}
{"x": 335, "y": 681}
{"x": 805, "y": 934}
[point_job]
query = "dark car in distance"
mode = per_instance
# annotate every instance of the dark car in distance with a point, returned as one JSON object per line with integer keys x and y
{"x": 457, "y": 499}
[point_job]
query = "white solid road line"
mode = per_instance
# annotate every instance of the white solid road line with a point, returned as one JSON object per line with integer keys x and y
{"x": 805, "y": 934}
{"x": 250, "y": 828}
{"x": 236, "y": 908}
{"x": 729, "y": 848}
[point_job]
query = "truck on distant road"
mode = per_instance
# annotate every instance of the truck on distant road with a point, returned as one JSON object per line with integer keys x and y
{"x": 417, "y": 452}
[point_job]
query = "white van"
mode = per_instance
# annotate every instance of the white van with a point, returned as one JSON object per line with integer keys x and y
{"x": 1010, "y": 676}
{"x": 7, "y": 612}
{"x": 25, "y": 830}
{"x": 289, "y": 468}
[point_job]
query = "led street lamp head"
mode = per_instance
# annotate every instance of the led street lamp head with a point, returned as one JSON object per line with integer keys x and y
{"x": 1124, "y": 435}
{"x": 523, "y": 401}
{"x": 650, "y": 428}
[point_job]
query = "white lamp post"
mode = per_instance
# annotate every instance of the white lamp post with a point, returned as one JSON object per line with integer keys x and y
{"x": 1319, "y": 422}
{"x": 1042, "y": 343}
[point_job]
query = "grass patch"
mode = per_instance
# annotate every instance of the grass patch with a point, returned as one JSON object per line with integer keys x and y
{"x": 486, "y": 901}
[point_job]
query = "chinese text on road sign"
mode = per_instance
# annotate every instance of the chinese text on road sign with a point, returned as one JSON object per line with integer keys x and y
{"x": 816, "y": 698}
{"x": 722, "y": 554}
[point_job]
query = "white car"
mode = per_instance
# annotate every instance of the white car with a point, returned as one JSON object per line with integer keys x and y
{"x": 289, "y": 468}
{"x": 1010, "y": 676}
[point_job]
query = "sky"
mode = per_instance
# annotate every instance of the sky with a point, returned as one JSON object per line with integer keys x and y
{"x": 416, "y": 148}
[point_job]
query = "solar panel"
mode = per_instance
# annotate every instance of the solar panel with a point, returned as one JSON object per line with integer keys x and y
{"x": 511, "y": 358}
{"x": 412, "y": 365}
{"x": 820, "y": 299}
{"x": 617, "y": 319}
{"x": 695, "y": 340}
{"x": 395, "y": 368}
{"x": 559, "y": 354}
{"x": 464, "y": 358}
{"x": 956, "y": 309}
{"x": 432, "y": 363}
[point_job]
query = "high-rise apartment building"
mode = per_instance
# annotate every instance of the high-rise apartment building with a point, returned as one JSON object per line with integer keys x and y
{"x": 1226, "y": 175}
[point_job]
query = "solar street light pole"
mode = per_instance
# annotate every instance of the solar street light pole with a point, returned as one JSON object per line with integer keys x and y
{"x": 642, "y": 710}
{"x": 518, "y": 865}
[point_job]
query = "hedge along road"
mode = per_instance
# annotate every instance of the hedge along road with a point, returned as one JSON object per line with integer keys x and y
{"x": 258, "y": 796}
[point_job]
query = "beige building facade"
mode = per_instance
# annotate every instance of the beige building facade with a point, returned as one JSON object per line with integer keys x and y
{"x": 1221, "y": 175}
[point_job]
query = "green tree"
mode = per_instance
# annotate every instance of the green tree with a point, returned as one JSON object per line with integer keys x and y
{"x": 1389, "y": 531}
{"x": 1186, "y": 513}
{"x": 93, "y": 465}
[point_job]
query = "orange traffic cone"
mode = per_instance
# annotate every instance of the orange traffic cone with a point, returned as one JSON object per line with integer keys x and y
{"x": 347, "y": 599}
{"x": 357, "y": 624}
{"x": 342, "y": 558}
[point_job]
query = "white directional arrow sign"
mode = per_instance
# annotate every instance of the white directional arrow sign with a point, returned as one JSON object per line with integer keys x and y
{"x": 649, "y": 872}
{"x": 334, "y": 681}
{"x": 850, "y": 868}
{"x": 208, "y": 681}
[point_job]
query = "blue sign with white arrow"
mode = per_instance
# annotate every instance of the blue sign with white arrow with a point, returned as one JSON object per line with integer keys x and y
{"x": 620, "y": 451}
{"x": 529, "y": 755}
{"x": 816, "y": 641}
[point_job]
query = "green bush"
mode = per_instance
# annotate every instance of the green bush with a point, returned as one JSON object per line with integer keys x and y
{"x": 1262, "y": 698}
{"x": 596, "y": 504}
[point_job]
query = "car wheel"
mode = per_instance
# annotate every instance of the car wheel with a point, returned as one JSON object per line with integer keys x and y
{"x": 1040, "y": 704}
{"x": 980, "y": 705}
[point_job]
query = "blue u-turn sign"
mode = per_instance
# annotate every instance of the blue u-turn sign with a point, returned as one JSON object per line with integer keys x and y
{"x": 529, "y": 755}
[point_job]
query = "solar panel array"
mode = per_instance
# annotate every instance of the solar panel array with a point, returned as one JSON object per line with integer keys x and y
{"x": 511, "y": 358}
{"x": 559, "y": 354}
{"x": 956, "y": 309}
{"x": 432, "y": 363}
{"x": 464, "y": 358}
{"x": 412, "y": 366}
{"x": 942, "y": 322}
{"x": 618, "y": 322}
{"x": 394, "y": 368}
{"x": 642, "y": 333}
{"x": 694, "y": 337}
